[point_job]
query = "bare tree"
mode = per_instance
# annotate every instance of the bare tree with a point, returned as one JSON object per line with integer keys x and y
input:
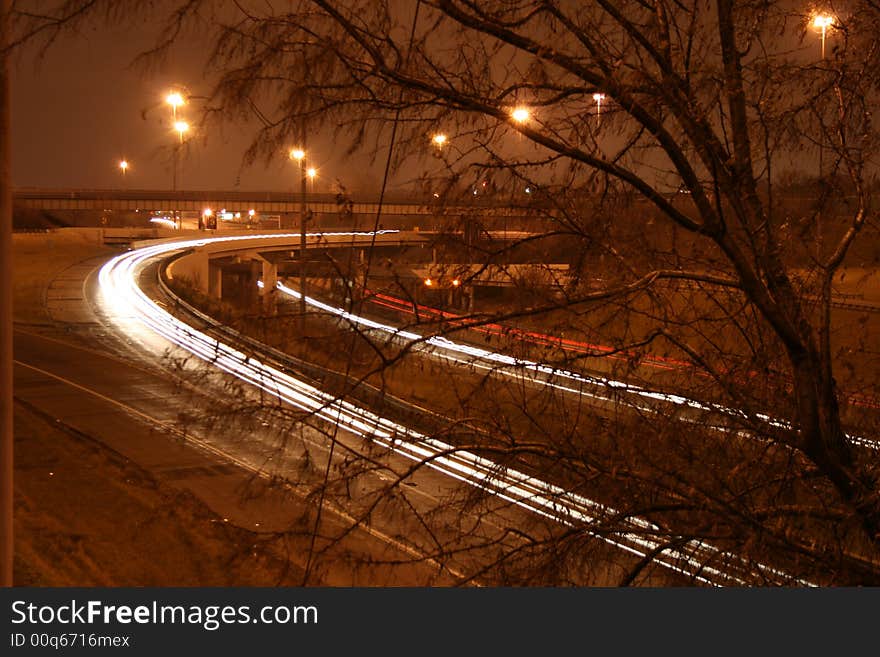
{"x": 668, "y": 191}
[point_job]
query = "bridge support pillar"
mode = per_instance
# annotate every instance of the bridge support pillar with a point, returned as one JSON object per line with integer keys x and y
{"x": 215, "y": 281}
{"x": 269, "y": 293}
{"x": 198, "y": 269}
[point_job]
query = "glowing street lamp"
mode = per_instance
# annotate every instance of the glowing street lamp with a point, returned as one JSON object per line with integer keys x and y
{"x": 175, "y": 99}
{"x": 311, "y": 172}
{"x": 438, "y": 140}
{"x": 520, "y": 114}
{"x": 598, "y": 98}
{"x": 181, "y": 127}
{"x": 299, "y": 155}
{"x": 123, "y": 165}
{"x": 822, "y": 22}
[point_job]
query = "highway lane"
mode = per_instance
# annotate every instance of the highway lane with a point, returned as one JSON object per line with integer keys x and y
{"x": 147, "y": 418}
{"x": 108, "y": 387}
{"x": 134, "y": 311}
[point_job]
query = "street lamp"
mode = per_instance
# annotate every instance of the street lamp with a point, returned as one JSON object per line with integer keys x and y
{"x": 598, "y": 98}
{"x": 123, "y": 166}
{"x": 181, "y": 127}
{"x": 822, "y": 22}
{"x": 520, "y": 114}
{"x": 299, "y": 155}
{"x": 439, "y": 140}
{"x": 175, "y": 99}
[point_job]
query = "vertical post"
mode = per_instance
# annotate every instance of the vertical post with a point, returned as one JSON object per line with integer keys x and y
{"x": 174, "y": 185}
{"x": 302, "y": 233}
{"x": 821, "y": 188}
{"x": 821, "y": 185}
{"x": 6, "y": 409}
{"x": 598, "y": 98}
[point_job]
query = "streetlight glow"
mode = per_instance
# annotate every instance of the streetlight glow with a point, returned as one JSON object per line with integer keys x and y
{"x": 822, "y": 22}
{"x": 520, "y": 115}
{"x": 297, "y": 154}
{"x": 439, "y": 140}
{"x": 175, "y": 99}
{"x": 181, "y": 127}
{"x": 124, "y": 166}
{"x": 311, "y": 172}
{"x": 598, "y": 98}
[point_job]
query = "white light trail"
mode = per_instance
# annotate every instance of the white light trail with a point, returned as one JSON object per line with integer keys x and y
{"x": 168, "y": 223}
{"x": 521, "y": 368}
{"x": 128, "y": 304}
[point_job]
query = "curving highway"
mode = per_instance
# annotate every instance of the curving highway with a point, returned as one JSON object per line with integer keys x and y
{"x": 132, "y": 309}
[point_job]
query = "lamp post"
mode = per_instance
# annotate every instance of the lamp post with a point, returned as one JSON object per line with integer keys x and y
{"x": 123, "y": 166}
{"x": 299, "y": 155}
{"x": 598, "y": 98}
{"x": 175, "y": 100}
{"x": 821, "y": 22}
{"x": 181, "y": 127}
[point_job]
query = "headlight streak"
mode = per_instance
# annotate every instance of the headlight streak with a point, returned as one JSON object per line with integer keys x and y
{"x": 503, "y": 364}
{"x": 127, "y": 303}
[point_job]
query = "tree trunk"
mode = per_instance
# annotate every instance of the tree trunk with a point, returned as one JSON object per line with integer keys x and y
{"x": 824, "y": 441}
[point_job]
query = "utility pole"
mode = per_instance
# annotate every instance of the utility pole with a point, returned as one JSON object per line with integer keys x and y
{"x": 6, "y": 440}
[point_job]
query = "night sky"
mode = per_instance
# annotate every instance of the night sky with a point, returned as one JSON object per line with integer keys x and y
{"x": 81, "y": 109}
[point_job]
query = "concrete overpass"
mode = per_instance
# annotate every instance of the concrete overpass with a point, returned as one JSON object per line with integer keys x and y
{"x": 265, "y": 202}
{"x": 212, "y": 267}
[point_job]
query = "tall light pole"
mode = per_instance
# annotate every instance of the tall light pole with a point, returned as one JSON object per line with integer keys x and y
{"x": 123, "y": 166}
{"x": 598, "y": 98}
{"x": 175, "y": 100}
{"x": 299, "y": 155}
{"x": 821, "y": 22}
{"x": 181, "y": 127}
